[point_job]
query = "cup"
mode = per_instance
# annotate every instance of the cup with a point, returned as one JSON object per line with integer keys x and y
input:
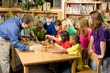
{"x": 38, "y": 48}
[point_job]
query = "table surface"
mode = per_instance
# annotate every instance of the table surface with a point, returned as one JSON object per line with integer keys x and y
{"x": 30, "y": 57}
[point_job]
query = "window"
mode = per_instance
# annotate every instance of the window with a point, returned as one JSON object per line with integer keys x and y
{"x": 5, "y": 3}
{"x": 55, "y": 3}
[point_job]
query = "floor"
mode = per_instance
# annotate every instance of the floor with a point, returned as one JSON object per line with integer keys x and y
{"x": 34, "y": 69}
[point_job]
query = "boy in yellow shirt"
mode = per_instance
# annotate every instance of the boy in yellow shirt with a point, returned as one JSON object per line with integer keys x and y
{"x": 74, "y": 50}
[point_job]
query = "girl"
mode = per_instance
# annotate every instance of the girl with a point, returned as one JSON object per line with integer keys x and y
{"x": 64, "y": 43}
{"x": 66, "y": 26}
{"x": 98, "y": 39}
{"x": 84, "y": 35}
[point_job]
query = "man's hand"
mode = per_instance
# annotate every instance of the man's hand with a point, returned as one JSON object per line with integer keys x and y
{"x": 32, "y": 48}
{"x": 35, "y": 47}
{"x": 24, "y": 39}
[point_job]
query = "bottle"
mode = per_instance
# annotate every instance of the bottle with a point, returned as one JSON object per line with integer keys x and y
{"x": 68, "y": 9}
{"x": 107, "y": 8}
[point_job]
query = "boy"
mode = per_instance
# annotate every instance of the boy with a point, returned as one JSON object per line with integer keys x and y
{"x": 49, "y": 26}
{"x": 38, "y": 31}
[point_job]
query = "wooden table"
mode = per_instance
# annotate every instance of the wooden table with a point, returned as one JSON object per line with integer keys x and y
{"x": 31, "y": 58}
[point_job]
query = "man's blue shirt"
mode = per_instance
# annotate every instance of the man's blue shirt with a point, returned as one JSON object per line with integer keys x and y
{"x": 10, "y": 30}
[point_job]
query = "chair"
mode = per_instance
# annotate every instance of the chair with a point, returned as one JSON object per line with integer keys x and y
{"x": 87, "y": 69}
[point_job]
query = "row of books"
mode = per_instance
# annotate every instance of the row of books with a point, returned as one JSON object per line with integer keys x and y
{"x": 79, "y": 9}
{"x": 81, "y": 0}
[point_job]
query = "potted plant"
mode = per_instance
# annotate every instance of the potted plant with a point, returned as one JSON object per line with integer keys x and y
{"x": 25, "y": 5}
{"x": 38, "y": 4}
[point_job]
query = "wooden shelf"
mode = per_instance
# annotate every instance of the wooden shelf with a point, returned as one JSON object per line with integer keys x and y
{"x": 77, "y": 14}
{"x": 33, "y": 12}
{"x": 18, "y": 10}
{"x": 93, "y": 2}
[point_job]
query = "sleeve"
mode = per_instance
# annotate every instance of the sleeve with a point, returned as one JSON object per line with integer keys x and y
{"x": 66, "y": 45}
{"x": 19, "y": 36}
{"x": 74, "y": 50}
{"x": 59, "y": 43}
{"x": 33, "y": 30}
{"x": 101, "y": 34}
{"x": 13, "y": 36}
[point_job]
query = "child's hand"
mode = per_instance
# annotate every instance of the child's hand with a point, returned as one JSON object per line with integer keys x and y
{"x": 49, "y": 36}
{"x": 90, "y": 52}
{"x": 100, "y": 56}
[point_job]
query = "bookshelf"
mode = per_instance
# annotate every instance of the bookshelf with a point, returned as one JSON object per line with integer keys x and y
{"x": 6, "y": 13}
{"x": 10, "y": 12}
{"x": 8, "y": 3}
{"x": 73, "y": 8}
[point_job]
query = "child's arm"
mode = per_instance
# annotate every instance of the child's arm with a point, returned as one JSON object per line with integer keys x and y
{"x": 57, "y": 50}
{"x": 89, "y": 48}
{"x": 53, "y": 38}
{"x": 60, "y": 49}
{"x": 33, "y": 35}
{"x": 103, "y": 47}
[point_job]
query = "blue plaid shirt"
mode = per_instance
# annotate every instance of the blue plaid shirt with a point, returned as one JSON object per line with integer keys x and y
{"x": 10, "y": 30}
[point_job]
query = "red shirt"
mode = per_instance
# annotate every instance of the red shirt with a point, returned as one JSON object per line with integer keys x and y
{"x": 65, "y": 44}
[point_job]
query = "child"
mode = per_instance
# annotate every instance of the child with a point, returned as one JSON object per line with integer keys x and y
{"x": 38, "y": 31}
{"x": 74, "y": 50}
{"x": 84, "y": 35}
{"x": 67, "y": 26}
{"x": 64, "y": 43}
{"x": 98, "y": 39}
{"x": 58, "y": 28}
{"x": 49, "y": 26}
